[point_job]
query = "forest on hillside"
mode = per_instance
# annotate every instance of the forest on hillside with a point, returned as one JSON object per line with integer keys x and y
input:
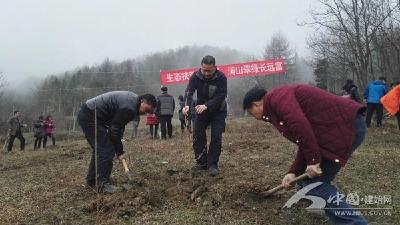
{"x": 61, "y": 95}
{"x": 358, "y": 40}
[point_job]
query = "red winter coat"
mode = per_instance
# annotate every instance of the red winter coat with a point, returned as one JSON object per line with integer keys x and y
{"x": 152, "y": 119}
{"x": 320, "y": 123}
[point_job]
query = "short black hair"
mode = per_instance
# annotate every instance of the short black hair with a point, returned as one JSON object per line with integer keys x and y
{"x": 208, "y": 60}
{"x": 149, "y": 99}
{"x": 382, "y": 78}
{"x": 163, "y": 88}
{"x": 16, "y": 111}
{"x": 254, "y": 95}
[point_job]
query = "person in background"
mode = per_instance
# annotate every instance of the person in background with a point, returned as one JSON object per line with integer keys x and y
{"x": 391, "y": 102}
{"x": 327, "y": 130}
{"x": 373, "y": 93}
{"x": 182, "y": 118}
{"x": 49, "y": 131}
{"x": 153, "y": 122}
{"x": 15, "y": 131}
{"x": 350, "y": 90}
{"x": 165, "y": 111}
{"x": 38, "y": 129}
{"x": 135, "y": 125}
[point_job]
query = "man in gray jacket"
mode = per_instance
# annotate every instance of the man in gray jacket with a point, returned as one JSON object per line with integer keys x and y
{"x": 15, "y": 131}
{"x": 113, "y": 111}
{"x": 165, "y": 111}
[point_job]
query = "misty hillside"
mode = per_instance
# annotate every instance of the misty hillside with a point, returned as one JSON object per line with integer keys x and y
{"x": 62, "y": 94}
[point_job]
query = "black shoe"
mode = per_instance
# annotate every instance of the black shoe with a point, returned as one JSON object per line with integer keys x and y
{"x": 108, "y": 188}
{"x": 213, "y": 171}
{"x": 91, "y": 185}
{"x": 198, "y": 169}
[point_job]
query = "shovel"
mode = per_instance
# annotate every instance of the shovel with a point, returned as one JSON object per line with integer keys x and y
{"x": 127, "y": 171}
{"x": 272, "y": 191}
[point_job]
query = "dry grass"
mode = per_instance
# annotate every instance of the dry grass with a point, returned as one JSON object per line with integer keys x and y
{"x": 47, "y": 187}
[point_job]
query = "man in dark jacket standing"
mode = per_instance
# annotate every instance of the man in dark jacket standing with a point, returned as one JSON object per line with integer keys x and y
{"x": 113, "y": 111}
{"x": 211, "y": 87}
{"x": 38, "y": 129}
{"x": 327, "y": 134}
{"x": 350, "y": 90}
{"x": 165, "y": 111}
{"x": 373, "y": 94}
{"x": 15, "y": 131}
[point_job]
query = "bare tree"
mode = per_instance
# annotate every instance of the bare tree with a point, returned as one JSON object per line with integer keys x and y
{"x": 278, "y": 48}
{"x": 346, "y": 30}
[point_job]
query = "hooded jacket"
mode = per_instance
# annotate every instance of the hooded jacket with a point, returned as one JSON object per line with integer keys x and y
{"x": 375, "y": 91}
{"x": 210, "y": 92}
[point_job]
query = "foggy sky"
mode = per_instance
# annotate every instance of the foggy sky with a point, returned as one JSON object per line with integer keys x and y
{"x": 38, "y": 38}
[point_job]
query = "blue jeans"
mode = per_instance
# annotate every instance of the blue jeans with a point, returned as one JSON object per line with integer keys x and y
{"x": 327, "y": 190}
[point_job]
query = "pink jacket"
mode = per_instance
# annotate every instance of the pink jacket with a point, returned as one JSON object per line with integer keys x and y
{"x": 49, "y": 126}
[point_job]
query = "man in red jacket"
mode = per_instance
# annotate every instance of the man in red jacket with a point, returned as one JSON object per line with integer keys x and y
{"x": 327, "y": 128}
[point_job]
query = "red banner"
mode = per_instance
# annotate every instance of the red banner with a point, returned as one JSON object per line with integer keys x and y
{"x": 257, "y": 68}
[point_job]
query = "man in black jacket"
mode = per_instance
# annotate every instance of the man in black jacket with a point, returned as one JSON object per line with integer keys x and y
{"x": 113, "y": 111}
{"x": 15, "y": 130}
{"x": 165, "y": 111}
{"x": 211, "y": 87}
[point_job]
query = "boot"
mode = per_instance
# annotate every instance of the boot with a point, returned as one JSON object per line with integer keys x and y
{"x": 108, "y": 188}
{"x": 198, "y": 169}
{"x": 213, "y": 171}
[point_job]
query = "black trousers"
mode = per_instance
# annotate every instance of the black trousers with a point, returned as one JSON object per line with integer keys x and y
{"x": 398, "y": 119}
{"x": 153, "y": 130}
{"x": 166, "y": 126}
{"x": 45, "y": 139}
{"x": 203, "y": 157}
{"x": 12, "y": 138}
{"x": 38, "y": 142}
{"x": 189, "y": 122}
{"x": 371, "y": 107}
{"x": 105, "y": 148}
{"x": 183, "y": 124}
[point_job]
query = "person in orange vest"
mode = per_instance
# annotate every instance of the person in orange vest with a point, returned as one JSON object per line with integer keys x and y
{"x": 391, "y": 102}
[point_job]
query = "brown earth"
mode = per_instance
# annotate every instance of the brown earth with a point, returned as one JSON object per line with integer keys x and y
{"x": 48, "y": 187}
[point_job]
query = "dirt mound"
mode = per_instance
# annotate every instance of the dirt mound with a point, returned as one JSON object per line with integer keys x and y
{"x": 130, "y": 204}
